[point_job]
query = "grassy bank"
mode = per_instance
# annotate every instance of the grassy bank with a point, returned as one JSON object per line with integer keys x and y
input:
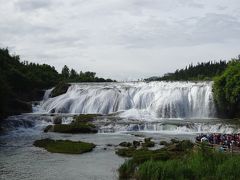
{"x": 64, "y": 146}
{"x": 180, "y": 161}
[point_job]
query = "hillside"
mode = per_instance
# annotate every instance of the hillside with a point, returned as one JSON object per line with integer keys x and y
{"x": 201, "y": 71}
{"x": 22, "y": 82}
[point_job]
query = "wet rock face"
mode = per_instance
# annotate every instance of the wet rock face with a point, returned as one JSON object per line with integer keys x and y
{"x": 60, "y": 89}
{"x": 148, "y": 143}
{"x": 136, "y": 143}
{"x": 125, "y": 144}
{"x": 57, "y": 120}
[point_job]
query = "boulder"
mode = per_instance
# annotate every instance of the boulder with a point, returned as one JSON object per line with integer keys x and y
{"x": 57, "y": 120}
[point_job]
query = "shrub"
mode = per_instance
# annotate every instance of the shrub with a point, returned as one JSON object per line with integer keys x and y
{"x": 226, "y": 90}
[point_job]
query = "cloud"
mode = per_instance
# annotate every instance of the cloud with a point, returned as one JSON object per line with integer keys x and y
{"x": 119, "y": 38}
{"x": 31, "y": 5}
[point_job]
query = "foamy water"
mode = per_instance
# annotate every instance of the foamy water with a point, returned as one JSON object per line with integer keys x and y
{"x": 137, "y": 100}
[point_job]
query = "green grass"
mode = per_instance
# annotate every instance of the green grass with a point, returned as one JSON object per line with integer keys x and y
{"x": 64, "y": 146}
{"x": 181, "y": 161}
{"x": 85, "y": 117}
{"x": 80, "y": 124}
{"x": 126, "y": 152}
{"x": 126, "y": 170}
{"x": 195, "y": 166}
{"x": 75, "y": 128}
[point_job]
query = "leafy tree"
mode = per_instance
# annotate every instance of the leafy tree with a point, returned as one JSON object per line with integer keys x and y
{"x": 21, "y": 82}
{"x": 226, "y": 90}
{"x": 201, "y": 71}
{"x": 73, "y": 75}
{"x": 65, "y": 72}
{"x": 25, "y": 81}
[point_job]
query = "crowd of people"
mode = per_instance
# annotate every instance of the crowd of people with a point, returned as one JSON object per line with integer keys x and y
{"x": 227, "y": 140}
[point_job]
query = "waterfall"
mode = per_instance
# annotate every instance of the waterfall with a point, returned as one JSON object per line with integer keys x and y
{"x": 155, "y": 99}
{"x": 47, "y": 94}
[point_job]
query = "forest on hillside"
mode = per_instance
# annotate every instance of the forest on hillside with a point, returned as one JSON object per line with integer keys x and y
{"x": 202, "y": 71}
{"x": 226, "y": 86}
{"x": 23, "y": 81}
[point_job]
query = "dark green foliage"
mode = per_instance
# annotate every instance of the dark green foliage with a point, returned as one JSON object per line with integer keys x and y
{"x": 72, "y": 76}
{"x": 226, "y": 90}
{"x": 226, "y": 76}
{"x": 126, "y": 170}
{"x": 184, "y": 145}
{"x": 64, "y": 146}
{"x": 156, "y": 170}
{"x": 65, "y": 72}
{"x": 60, "y": 88}
{"x": 201, "y": 71}
{"x": 4, "y": 96}
{"x": 19, "y": 106}
{"x": 143, "y": 155}
{"x": 172, "y": 151}
{"x": 192, "y": 163}
{"x": 24, "y": 81}
{"x": 194, "y": 166}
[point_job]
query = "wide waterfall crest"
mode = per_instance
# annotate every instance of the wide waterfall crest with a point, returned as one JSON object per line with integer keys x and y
{"x": 157, "y": 99}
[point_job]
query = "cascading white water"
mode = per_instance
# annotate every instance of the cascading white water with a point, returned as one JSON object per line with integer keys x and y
{"x": 47, "y": 94}
{"x": 157, "y": 99}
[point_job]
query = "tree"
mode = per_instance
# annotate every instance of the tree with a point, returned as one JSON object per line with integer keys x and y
{"x": 65, "y": 72}
{"x": 226, "y": 90}
{"x": 73, "y": 74}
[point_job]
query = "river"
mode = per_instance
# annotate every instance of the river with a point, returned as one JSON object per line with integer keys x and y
{"x": 129, "y": 111}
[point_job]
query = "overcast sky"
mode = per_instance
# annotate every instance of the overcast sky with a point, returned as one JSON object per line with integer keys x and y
{"x": 121, "y": 39}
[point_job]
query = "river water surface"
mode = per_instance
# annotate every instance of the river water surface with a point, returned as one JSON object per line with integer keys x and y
{"x": 129, "y": 111}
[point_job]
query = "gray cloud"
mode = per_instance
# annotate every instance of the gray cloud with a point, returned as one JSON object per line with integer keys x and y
{"x": 122, "y": 39}
{"x": 31, "y": 5}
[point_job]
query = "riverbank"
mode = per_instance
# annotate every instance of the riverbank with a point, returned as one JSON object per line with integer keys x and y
{"x": 189, "y": 162}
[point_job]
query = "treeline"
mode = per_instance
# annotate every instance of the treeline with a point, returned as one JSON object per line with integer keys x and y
{"x": 226, "y": 91}
{"x": 72, "y": 76}
{"x": 226, "y": 87}
{"x": 21, "y": 82}
{"x": 201, "y": 71}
